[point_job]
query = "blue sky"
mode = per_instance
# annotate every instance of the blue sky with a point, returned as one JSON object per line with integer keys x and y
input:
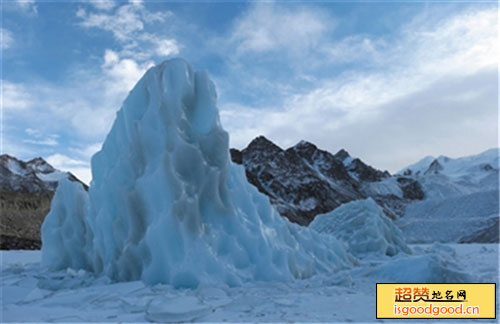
{"x": 391, "y": 82}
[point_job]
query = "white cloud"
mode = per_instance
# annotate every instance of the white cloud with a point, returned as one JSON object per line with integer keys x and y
{"x": 33, "y": 132}
{"x": 354, "y": 48}
{"x": 461, "y": 44}
{"x": 128, "y": 25}
{"x": 50, "y": 141}
{"x": 85, "y": 153}
{"x": 166, "y": 47}
{"x": 103, "y": 4}
{"x": 136, "y": 2}
{"x": 75, "y": 117}
{"x": 38, "y": 138}
{"x": 123, "y": 23}
{"x": 15, "y": 96}
{"x": 442, "y": 55}
{"x": 81, "y": 13}
{"x": 269, "y": 26}
{"x": 58, "y": 160}
{"x": 89, "y": 116}
{"x": 121, "y": 74}
{"x": 6, "y": 38}
{"x": 27, "y": 6}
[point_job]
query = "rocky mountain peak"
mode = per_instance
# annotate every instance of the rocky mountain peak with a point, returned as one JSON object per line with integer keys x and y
{"x": 304, "y": 148}
{"x": 303, "y": 180}
{"x": 434, "y": 168}
{"x": 34, "y": 176}
{"x": 15, "y": 175}
{"x": 38, "y": 164}
{"x": 12, "y": 164}
{"x": 365, "y": 172}
{"x": 260, "y": 149}
{"x": 236, "y": 156}
{"x": 342, "y": 155}
{"x": 261, "y": 143}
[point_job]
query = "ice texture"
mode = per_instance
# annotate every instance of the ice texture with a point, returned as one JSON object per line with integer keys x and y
{"x": 66, "y": 228}
{"x": 363, "y": 226}
{"x": 427, "y": 268}
{"x": 166, "y": 205}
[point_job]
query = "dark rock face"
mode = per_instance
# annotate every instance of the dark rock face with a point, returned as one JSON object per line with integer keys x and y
{"x": 408, "y": 172}
{"x": 15, "y": 243}
{"x": 366, "y": 172}
{"x": 236, "y": 156}
{"x": 304, "y": 181}
{"x": 411, "y": 189}
{"x": 289, "y": 179}
{"x": 392, "y": 205}
{"x": 488, "y": 167}
{"x": 487, "y": 235}
{"x": 434, "y": 168}
{"x": 341, "y": 155}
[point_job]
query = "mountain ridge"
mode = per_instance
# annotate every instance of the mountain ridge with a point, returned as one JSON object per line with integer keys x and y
{"x": 303, "y": 181}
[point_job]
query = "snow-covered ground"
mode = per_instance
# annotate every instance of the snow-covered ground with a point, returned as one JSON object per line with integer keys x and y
{"x": 31, "y": 294}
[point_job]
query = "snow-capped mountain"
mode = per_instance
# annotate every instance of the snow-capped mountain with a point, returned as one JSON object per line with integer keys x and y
{"x": 436, "y": 199}
{"x": 456, "y": 168}
{"x": 461, "y": 199}
{"x": 26, "y": 190}
{"x": 304, "y": 181}
{"x": 35, "y": 175}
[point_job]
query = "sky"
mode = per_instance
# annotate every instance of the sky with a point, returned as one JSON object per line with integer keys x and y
{"x": 390, "y": 82}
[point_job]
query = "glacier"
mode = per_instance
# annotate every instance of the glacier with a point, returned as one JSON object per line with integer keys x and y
{"x": 364, "y": 227}
{"x": 461, "y": 199}
{"x": 166, "y": 205}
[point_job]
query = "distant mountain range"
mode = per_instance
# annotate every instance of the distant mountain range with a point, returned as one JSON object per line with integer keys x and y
{"x": 26, "y": 190}
{"x": 462, "y": 199}
{"x": 436, "y": 199}
{"x": 304, "y": 181}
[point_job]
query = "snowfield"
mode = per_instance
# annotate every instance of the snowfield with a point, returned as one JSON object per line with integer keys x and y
{"x": 32, "y": 294}
{"x": 461, "y": 199}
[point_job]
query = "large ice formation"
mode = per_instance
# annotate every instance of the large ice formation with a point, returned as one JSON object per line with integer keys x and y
{"x": 167, "y": 206}
{"x": 363, "y": 226}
